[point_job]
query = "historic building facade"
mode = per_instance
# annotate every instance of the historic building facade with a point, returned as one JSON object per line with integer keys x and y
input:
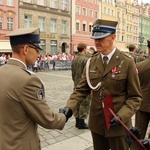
{"x": 65, "y": 23}
{"x": 8, "y": 22}
{"x": 84, "y": 14}
{"x": 53, "y": 17}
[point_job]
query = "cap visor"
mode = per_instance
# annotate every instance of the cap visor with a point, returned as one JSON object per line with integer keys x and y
{"x": 99, "y": 35}
{"x": 37, "y": 46}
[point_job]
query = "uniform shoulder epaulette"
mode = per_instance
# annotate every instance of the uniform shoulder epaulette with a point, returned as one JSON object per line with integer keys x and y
{"x": 95, "y": 54}
{"x": 28, "y": 71}
{"x": 125, "y": 54}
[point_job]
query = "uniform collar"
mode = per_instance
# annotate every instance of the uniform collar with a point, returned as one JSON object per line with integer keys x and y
{"x": 17, "y": 62}
{"x": 109, "y": 55}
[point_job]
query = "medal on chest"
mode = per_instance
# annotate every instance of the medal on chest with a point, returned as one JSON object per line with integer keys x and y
{"x": 114, "y": 72}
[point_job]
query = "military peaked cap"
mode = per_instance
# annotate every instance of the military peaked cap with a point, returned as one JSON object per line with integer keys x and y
{"x": 25, "y": 36}
{"x": 103, "y": 28}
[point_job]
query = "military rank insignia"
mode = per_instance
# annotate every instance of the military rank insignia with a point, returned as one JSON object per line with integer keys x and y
{"x": 41, "y": 94}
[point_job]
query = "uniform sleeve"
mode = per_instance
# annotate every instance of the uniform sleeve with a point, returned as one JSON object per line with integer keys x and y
{"x": 134, "y": 96}
{"x": 34, "y": 103}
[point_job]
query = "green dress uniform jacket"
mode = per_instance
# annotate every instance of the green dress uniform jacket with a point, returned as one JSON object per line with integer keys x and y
{"x": 22, "y": 107}
{"x": 142, "y": 116}
{"x": 139, "y": 59}
{"x": 123, "y": 84}
{"x": 144, "y": 75}
{"x": 133, "y": 56}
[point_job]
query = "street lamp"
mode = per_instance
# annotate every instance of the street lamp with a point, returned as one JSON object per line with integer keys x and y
{"x": 141, "y": 40}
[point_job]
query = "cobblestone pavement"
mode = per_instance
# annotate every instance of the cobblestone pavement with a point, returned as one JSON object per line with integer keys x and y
{"x": 59, "y": 86}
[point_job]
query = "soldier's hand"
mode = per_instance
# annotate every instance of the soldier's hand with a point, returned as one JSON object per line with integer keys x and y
{"x": 66, "y": 111}
{"x": 145, "y": 142}
{"x": 135, "y": 131}
{"x": 114, "y": 121}
{"x": 129, "y": 139}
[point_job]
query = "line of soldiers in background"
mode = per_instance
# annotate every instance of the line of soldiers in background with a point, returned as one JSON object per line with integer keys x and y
{"x": 138, "y": 57}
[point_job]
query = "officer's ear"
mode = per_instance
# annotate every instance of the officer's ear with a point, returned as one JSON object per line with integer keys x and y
{"x": 25, "y": 49}
{"x": 113, "y": 36}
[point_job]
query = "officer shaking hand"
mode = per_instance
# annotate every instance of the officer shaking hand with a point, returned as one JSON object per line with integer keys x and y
{"x": 108, "y": 72}
{"x": 22, "y": 104}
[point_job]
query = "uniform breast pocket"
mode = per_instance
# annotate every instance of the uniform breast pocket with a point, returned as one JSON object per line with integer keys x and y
{"x": 94, "y": 78}
{"x": 118, "y": 83}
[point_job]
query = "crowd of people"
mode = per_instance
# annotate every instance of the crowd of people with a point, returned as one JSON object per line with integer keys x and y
{"x": 47, "y": 62}
{"x": 43, "y": 62}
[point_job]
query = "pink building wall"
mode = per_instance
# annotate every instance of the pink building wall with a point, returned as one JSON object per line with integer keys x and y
{"x": 8, "y": 11}
{"x": 84, "y": 36}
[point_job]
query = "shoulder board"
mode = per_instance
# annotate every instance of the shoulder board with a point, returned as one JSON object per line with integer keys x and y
{"x": 28, "y": 71}
{"x": 125, "y": 54}
{"x": 95, "y": 54}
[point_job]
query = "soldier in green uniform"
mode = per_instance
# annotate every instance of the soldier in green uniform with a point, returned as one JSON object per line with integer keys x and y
{"x": 132, "y": 49}
{"x": 142, "y": 117}
{"x": 22, "y": 104}
{"x": 77, "y": 68}
{"x": 118, "y": 77}
{"x": 140, "y": 57}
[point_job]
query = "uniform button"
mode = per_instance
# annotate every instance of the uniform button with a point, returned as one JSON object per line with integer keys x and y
{"x": 104, "y": 78}
{"x": 103, "y": 88}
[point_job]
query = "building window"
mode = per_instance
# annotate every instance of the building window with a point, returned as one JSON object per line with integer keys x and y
{"x": 96, "y": 15}
{"x": 84, "y": 12}
{"x": 123, "y": 16}
{"x": 41, "y": 24}
{"x": 10, "y": 23}
{"x": 64, "y": 5}
{"x": 112, "y": 12}
{"x": 53, "y": 46}
{"x": 41, "y": 2}
{"x": 105, "y": 11}
{"x": 1, "y": 24}
{"x": 64, "y": 27}
{"x": 53, "y": 3}
{"x": 42, "y": 44}
{"x": 91, "y": 13}
{"x": 90, "y": 28}
{"x": 118, "y": 15}
{"x": 108, "y": 11}
{"x": 118, "y": 26}
{"x": 117, "y": 37}
{"x": 77, "y": 26}
{"x": 123, "y": 28}
{"x": 53, "y": 26}
{"x": 84, "y": 27}
{"x": 77, "y": 10}
{"x": 122, "y": 38}
{"x": 10, "y": 3}
{"x": 27, "y": 21}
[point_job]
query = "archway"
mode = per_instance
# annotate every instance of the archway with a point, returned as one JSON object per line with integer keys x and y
{"x": 64, "y": 45}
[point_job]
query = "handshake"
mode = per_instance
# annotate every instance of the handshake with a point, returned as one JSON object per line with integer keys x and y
{"x": 66, "y": 111}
